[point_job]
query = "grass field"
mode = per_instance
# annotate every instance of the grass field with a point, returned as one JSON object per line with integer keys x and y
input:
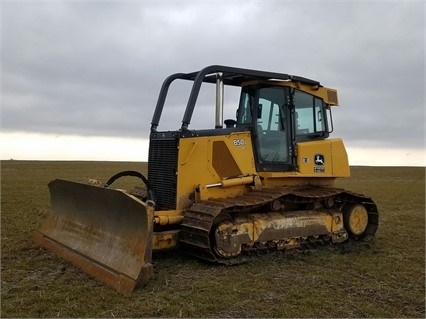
{"x": 385, "y": 278}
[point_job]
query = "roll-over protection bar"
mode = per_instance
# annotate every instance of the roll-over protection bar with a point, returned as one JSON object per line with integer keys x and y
{"x": 231, "y": 76}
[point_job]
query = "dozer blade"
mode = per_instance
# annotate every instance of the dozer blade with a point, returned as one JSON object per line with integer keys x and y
{"x": 105, "y": 232}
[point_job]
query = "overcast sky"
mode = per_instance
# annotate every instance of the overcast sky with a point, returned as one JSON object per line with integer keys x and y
{"x": 95, "y": 68}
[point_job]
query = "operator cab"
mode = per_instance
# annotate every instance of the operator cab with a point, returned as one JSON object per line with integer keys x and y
{"x": 279, "y": 117}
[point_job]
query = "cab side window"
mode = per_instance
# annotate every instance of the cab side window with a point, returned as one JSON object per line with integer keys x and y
{"x": 244, "y": 113}
{"x": 309, "y": 113}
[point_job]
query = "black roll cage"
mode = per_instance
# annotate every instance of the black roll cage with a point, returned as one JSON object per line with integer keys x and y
{"x": 230, "y": 76}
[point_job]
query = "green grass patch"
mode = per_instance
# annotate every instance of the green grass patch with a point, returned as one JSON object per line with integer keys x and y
{"x": 385, "y": 278}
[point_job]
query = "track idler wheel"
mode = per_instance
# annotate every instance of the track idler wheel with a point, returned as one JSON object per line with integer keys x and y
{"x": 355, "y": 218}
{"x": 227, "y": 243}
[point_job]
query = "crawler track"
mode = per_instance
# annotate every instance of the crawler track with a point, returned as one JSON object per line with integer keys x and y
{"x": 200, "y": 219}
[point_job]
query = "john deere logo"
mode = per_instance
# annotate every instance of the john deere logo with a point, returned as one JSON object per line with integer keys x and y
{"x": 319, "y": 159}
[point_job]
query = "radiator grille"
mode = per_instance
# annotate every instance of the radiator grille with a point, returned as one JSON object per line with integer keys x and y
{"x": 162, "y": 171}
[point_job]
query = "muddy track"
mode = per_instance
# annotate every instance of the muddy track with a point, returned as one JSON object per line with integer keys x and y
{"x": 200, "y": 219}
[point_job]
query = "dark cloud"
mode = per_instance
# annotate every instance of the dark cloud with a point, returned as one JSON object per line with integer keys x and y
{"x": 96, "y": 68}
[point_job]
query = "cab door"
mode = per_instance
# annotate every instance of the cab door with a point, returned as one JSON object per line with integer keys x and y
{"x": 265, "y": 109}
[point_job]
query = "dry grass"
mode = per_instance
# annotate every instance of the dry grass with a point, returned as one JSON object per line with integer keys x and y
{"x": 385, "y": 278}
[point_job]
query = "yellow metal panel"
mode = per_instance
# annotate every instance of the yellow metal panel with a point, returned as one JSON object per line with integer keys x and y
{"x": 322, "y": 158}
{"x": 314, "y": 158}
{"x": 340, "y": 159}
{"x": 198, "y": 158}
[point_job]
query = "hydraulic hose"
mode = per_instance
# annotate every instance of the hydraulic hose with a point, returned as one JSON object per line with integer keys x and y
{"x": 150, "y": 193}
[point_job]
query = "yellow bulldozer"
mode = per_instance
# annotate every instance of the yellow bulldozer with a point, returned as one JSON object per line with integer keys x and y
{"x": 261, "y": 181}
